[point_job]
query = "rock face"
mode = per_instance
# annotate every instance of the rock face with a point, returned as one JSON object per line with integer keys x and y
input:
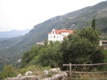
{"x": 58, "y": 76}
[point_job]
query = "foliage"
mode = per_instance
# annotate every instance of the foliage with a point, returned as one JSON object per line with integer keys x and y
{"x": 8, "y": 71}
{"x": 44, "y": 55}
{"x": 82, "y": 48}
{"x": 28, "y": 56}
{"x": 50, "y": 55}
{"x": 93, "y": 24}
{"x": 90, "y": 34}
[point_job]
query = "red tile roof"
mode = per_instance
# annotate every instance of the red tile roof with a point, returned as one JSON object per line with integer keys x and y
{"x": 63, "y": 30}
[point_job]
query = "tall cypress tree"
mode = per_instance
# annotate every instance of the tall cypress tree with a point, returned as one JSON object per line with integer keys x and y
{"x": 93, "y": 24}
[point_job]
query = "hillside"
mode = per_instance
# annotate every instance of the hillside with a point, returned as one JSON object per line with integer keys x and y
{"x": 74, "y": 20}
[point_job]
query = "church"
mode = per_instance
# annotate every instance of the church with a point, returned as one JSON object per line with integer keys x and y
{"x": 58, "y": 35}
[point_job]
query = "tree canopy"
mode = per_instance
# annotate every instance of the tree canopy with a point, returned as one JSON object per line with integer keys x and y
{"x": 44, "y": 55}
{"x": 81, "y": 47}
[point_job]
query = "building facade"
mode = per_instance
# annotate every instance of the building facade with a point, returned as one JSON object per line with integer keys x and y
{"x": 58, "y": 35}
{"x": 103, "y": 43}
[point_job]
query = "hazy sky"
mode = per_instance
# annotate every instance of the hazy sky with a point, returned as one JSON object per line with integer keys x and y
{"x": 22, "y": 14}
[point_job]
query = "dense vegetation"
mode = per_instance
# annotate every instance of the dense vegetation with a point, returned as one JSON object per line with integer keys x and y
{"x": 81, "y": 47}
{"x": 44, "y": 55}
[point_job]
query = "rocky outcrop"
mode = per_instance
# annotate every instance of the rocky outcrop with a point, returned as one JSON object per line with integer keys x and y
{"x": 58, "y": 76}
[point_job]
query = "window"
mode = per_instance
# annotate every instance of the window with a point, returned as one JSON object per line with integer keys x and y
{"x": 53, "y": 32}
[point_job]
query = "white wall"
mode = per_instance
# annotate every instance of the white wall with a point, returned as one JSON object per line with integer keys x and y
{"x": 57, "y": 37}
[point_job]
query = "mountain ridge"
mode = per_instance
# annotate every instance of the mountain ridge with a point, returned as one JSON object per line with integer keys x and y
{"x": 13, "y": 33}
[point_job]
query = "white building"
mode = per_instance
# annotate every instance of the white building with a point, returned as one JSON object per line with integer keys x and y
{"x": 103, "y": 43}
{"x": 58, "y": 35}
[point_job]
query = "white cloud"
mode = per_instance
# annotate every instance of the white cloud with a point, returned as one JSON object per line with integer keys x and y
{"x": 22, "y": 14}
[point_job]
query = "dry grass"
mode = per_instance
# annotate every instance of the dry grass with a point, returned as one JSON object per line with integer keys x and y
{"x": 37, "y": 70}
{"x": 89, "y": 77}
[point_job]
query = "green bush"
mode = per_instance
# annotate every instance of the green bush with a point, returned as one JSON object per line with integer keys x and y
{"x": 8, "y": 71}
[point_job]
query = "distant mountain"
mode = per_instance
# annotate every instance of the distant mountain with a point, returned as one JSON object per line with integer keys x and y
{"x": 75, "y": 20}
{"x": 13, "y": 33}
